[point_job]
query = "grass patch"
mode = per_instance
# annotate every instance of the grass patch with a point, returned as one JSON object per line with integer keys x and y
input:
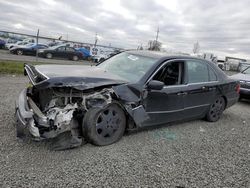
{"x": 13, "y": 67}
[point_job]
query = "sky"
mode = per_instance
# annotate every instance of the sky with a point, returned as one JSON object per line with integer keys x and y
{"x": 221, "y": 27}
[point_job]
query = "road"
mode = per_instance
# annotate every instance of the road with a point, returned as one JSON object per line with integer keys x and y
{"x": 5, "y": 55}
{"x": 188, "y": 154}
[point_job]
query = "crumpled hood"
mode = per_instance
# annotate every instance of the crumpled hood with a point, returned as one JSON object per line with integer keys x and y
{"x": 241, "y": 76}
{"x": 77, "y": 76}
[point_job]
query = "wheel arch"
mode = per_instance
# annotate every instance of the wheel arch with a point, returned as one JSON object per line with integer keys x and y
{"x": 225, "y": 98}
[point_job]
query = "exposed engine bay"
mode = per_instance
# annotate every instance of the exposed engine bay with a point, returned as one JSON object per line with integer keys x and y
{"x": 59, "y": 110}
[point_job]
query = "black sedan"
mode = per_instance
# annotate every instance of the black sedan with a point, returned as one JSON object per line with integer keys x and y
{"x": 61, "y": 52}
{"x": 244, "y": 78}
{"x": 131, "y": 90}
{"x": 29, "y": 49}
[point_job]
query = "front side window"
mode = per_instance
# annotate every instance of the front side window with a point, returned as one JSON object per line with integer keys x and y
{"x": 61, "y": 48}
{"x": 69, "y": 49}
{"x": 197, "y": 71}
{"x": 170, "y": 74}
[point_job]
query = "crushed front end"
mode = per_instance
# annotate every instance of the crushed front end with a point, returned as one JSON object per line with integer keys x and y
{"x": 49, "y": 108}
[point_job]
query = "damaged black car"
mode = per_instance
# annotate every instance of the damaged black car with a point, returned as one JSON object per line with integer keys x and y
{"x": 129, "y": 91}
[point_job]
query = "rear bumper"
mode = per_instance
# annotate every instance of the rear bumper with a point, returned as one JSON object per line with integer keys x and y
{"x": 24, "y": 117}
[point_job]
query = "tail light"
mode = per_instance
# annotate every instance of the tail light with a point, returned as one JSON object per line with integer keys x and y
{"x": 237, "y": 88}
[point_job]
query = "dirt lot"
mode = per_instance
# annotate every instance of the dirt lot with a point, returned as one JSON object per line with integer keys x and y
{"x": 190, "y": 154}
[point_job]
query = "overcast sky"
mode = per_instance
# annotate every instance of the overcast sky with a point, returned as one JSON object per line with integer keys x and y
{"x": 220, "y": 26}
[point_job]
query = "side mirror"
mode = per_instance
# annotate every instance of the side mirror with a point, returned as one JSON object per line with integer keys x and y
{"x": 155, "y": 85}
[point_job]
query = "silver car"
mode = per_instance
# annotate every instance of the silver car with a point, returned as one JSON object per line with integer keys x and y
{"x": 244, "y": 78}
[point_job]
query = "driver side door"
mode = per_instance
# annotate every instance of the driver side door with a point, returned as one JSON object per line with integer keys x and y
{"x": 166, "y": 105}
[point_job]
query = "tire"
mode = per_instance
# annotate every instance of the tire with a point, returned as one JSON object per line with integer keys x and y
{"x": 216, "y": 109}
{"x": 75, "y": 58}
{"x": 104, "y": 126}
{"x": 19, "y": 52}
{"x": 49, "y": 55}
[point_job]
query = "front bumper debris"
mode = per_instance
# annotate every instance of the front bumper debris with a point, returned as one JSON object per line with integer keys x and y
{"x": 26, "y": 109}
{"x": 24, "y": 117}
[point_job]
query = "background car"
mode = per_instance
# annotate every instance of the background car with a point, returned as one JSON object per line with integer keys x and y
{"x": 85, "y": 52}
{"x": 29, "y": 49}
{"x": 19, "y": 43}
{"x": 244, "y": 78}
{"x": 242, "y": 66}
{"x": 2, "y": 44}
{"x": 61, "y": 52}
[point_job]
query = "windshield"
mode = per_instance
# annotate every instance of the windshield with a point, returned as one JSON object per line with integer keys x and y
{"x": 54, "y": 47}
{"x": 128, "y": 66}
{"x": 246, "y": 71}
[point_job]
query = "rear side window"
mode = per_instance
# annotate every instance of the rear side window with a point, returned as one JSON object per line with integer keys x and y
{"x": 61, "y": 48}
{"x": 69, "y": 49}
{"x": 197, "y": 72}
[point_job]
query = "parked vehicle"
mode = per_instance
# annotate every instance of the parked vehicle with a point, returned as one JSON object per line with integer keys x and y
{"x": 99, "y": 55}
{"x": 28, "y": 49}
{"x": 85, "y": 52}
{"x": 243, "y": 65}
{"x": 107, "y": 55}
{"x": 19, "y": 43}
{"x": 131, "y": 90}
{"x": 61, "y": 52}
{"x": 2, "y": 44}
{"x": 244, "y": 78}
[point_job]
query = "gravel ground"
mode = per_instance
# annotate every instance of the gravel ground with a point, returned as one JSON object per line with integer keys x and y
{"x": 190, "y": 154}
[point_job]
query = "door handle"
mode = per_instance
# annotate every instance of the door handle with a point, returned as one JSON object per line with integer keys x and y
{"x": 212, "y": 88}
{"x": 204, "y": 88}
{"x": 182, "y": 93}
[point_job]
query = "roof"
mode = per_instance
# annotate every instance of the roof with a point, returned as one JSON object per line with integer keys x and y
{"x": 156, "y": 54}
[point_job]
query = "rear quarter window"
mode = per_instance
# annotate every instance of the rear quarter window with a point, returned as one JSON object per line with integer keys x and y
{"x": 212, "y": 75}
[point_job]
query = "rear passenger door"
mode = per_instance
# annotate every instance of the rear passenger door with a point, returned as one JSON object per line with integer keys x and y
{"x": 201, "y": 88}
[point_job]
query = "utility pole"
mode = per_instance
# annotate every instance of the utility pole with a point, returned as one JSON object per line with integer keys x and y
{"x": 157, "y": 34}
{"x": 96, "y": 39}
{"x": 37, "y": 35}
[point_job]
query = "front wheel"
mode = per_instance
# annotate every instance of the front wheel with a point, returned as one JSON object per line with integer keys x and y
{"x": 49, "y": 55}
{"x": 75, "y": 58}
{"x": 216, "y": 110}
{"x": 104, "y": 126}
{"x": 19, "y": 52}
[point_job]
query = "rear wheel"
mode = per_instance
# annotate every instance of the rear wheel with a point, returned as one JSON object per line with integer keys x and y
{"x": 104, "y": 126}
{"x": 216, "y": 110}
{"x": 19, "y": 52}
{"x": 49, "y": 55}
